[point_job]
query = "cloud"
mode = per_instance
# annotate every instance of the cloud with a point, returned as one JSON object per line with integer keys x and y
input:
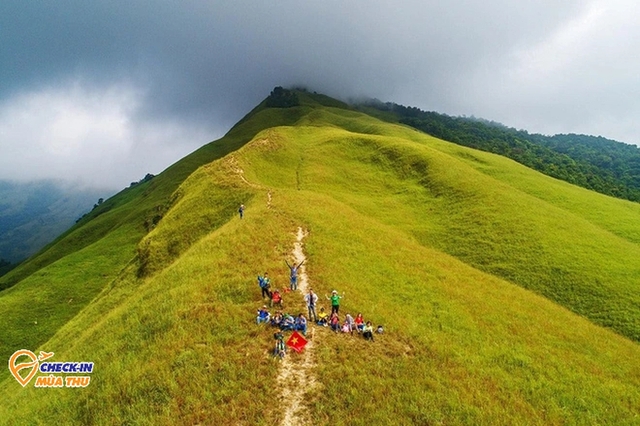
{"x": 582, "y": 77}
{"x": 90, "y": 136}
{"x": 119, "y": 88}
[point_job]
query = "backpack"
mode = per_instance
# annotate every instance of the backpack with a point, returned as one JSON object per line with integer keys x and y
{"x": 261, "y": 281}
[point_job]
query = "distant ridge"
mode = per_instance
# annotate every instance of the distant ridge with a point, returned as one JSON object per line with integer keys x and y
{"x": 602, "y": 165}
{"x": 33, "y": 214}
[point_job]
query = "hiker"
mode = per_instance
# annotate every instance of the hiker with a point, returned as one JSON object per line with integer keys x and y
{"x": 294, "y": 274}
{"x": 241, "y": 211}
{"x": 301, "y": 324}
{"x": 265, "y": 284}
{"x": 359, "y": 322}
{"x": 334, "y": 322}
{"x": 311, "y": 298}
{"x": 287, "y": 323}
{"x": 346, "y": 328}
{"x": 276, "y": 320}
{"x": 323, "y": 317}
{"x": 350, "y": 323}
{"x": 367, "y": 332}
{"x": 335, "y": 301}
{"x": 276, "y": 298}
{"x": 263, "y": 315}
{"x": 280, "y": 347}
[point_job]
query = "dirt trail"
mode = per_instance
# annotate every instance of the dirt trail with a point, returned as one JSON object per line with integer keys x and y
{"x": 232, "y": 162}
{"x": 296, "y": 377}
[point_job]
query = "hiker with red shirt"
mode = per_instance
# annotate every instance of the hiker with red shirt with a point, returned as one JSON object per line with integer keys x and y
{"x": 276, "y": 298}
{"x": 359, "y": 322}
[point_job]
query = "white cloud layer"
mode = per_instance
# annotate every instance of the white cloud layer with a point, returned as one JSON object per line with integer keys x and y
{"x": 88, "y": 136}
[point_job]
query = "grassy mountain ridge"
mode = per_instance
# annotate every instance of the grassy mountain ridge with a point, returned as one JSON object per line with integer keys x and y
{"x": 99, "y": 246}
{"x": 420, "y": 234}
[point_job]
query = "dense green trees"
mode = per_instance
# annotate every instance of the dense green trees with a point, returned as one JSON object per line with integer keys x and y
{"x": 596, "y": 163}
{"x": 282, "y": 98}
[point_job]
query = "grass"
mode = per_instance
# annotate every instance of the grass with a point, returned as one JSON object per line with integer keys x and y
{"x": 55, "y": 284}
{"x": 440, "y": 244}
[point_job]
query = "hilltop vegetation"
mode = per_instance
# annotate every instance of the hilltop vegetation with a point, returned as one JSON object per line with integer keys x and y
{"x": 595, "y": 163}
{"x": 452, "y": 249}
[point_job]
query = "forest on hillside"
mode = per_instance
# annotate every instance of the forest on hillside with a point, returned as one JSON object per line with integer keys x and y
{"x": 596, "y": 163}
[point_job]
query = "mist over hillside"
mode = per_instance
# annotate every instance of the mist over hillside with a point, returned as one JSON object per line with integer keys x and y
{"x": 33, "y": 214}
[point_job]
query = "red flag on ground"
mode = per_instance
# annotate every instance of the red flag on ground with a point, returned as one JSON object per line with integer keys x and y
{"x": 296, "y": 341}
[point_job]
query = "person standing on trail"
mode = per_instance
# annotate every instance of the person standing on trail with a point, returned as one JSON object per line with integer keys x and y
{"x": 294, "y": 274}
{"x": 241, "y": 211}
{"x": 312, "y": 299}
{"x": 265, "y": 284}
{"x": 335, "y": 301}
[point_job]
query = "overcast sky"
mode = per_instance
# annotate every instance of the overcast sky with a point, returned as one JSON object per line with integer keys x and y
{"x": 102, "y": 92}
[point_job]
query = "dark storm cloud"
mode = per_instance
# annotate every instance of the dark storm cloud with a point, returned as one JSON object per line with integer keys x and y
{"x": 174, "y": 75}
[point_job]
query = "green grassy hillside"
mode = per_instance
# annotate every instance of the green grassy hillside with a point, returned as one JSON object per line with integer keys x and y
{"x": 508, "y": 297}
{"x": 50, "y": 288}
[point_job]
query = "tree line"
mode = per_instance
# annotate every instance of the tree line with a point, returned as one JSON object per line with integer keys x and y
{"x": 593, "y": 162}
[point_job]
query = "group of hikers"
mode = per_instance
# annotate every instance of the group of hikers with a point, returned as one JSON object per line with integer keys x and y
{"x": 284, "y": 321}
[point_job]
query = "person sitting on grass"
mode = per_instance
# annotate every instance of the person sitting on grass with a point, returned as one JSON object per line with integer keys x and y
{"x": 301, "y": 324}
{"x": 276, "y": 320}
{"x": 323, "y": 317}
{"x": 348, "y": 319}
{"x": 359, "y": 321}
{"x": 334, "y": 322}
{"x": 346, "y": 328}
{"x": 263, "y": 315}
{"x": 287, "y": 323}
{"x": 276, "y": 298}
{"x": 367, "y": 332}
